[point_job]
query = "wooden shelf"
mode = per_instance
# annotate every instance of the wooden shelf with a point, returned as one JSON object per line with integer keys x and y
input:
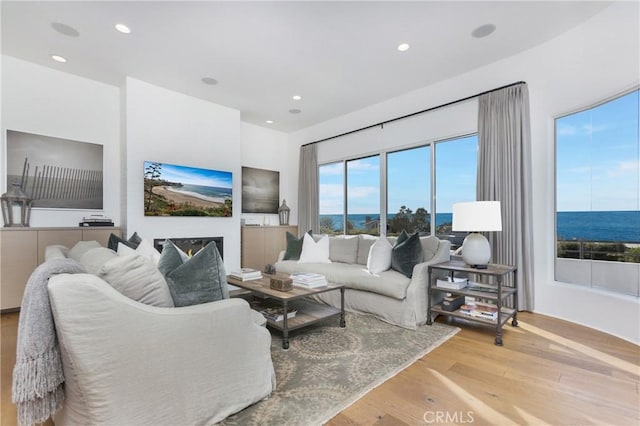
{"x": 308, "y": 313}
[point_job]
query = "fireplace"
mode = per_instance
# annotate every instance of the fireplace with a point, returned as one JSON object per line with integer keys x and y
{"x": 191, "y": 244}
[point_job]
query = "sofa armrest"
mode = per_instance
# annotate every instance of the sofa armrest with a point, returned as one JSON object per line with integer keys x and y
{"x": 421, "y": 270}
{"x": 121, "y": 357}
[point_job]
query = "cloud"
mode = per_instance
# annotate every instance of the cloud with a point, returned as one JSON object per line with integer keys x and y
{"x": 332, "y": 169}
{"x": 585, "y": 129}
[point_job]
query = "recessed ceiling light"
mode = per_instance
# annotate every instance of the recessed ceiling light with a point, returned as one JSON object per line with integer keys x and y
{"x": 297, "y": 97}
{"x": 295, "y": 111}
{"x": 210, "y": 81}
{"x": 123, "y": 28}
{"x": 403, "y": 47}
{"x": 58, "y": 58}
{"x": 269, "y": 121}
{"x": 65, "y": 29}
{"x": 483, "y": 30}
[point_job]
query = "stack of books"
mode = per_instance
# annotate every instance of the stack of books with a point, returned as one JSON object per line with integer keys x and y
{"x": 246, "y": 274}
{"x": 452, "y": 283}
{"x": 480, "y": 310}
{"x": 96, "y": 220}
{"x": 308, "y": 280}
{"x": 277, "y": 314}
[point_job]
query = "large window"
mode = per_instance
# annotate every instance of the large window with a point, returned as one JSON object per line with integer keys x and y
{"x": 598, "y": 196}
{"x": 408, "y": 178}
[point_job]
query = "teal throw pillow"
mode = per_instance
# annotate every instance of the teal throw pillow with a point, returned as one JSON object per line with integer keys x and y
{"x": 132, "y": 242}
{"x": 406, "y": 253}
{"x": 294, "y": 247}
{"x": 193, "y": 280}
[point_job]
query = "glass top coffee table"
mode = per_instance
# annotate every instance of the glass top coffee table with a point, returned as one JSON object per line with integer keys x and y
{"x": 308, "y": 311}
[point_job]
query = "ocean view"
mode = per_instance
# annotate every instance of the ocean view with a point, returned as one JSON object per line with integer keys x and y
{"x": 605, "y": 226}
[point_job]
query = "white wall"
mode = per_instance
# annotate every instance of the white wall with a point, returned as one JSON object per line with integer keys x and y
{"x": 589, "y": 63}
{"x": 170, "y": 127}
{"x": 268, "y": 149}
{"x": 40, "y": 100}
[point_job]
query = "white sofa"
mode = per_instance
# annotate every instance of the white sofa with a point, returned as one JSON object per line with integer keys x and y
{"x": 389, "y": 295}
{"x": 130, "y": 363}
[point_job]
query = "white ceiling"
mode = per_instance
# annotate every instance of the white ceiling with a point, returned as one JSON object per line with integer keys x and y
{"x": 339, "y": 56}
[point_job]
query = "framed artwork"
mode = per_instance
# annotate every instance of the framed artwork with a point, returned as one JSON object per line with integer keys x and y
{"x": 260, "y": 191}
{"x": 173, "y": 190}
{"x": 54, "y": 172}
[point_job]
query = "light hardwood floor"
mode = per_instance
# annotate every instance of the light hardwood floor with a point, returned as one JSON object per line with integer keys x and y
{"x": 548, "y": 372}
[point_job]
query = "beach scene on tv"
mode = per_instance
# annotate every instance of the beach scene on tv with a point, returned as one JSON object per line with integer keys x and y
{"x": 173, "y": 190}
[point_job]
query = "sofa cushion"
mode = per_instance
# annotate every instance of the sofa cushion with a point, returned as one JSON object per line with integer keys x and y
{"x": 132, "y": 242}
{"x": 379, "y": 256}
{"x": 315, "y": 252}
{"x": 364, "y": 245}
{"x": 95, "y": 258}
{"x": 195, "y": 280}
{"x": 294, "y": 247}
{"x": 343, "y": 249}
{"x": 389, "y": 283}
{"x": 137, "y": 278}
{"x": 406, "y": 254}
{"x": 81, "y": 248}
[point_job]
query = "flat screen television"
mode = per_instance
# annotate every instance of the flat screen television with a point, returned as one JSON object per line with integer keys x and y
{"x": 173, "y": 190}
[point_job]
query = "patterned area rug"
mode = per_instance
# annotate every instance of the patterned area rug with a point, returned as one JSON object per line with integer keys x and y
{"x": 328, "y": 368}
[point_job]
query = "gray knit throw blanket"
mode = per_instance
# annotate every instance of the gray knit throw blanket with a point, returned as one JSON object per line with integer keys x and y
{"x": 38, "y": 378}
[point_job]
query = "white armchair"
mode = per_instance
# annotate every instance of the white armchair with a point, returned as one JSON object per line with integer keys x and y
{"x": 128, "y": 363}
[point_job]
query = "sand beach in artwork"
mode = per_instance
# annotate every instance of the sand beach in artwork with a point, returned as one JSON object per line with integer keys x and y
{"x": 181, "y": 197}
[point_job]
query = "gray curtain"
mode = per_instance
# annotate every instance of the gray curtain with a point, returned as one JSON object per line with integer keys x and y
{"x": 504, "y": 174}
{"x": 308, "y": 200}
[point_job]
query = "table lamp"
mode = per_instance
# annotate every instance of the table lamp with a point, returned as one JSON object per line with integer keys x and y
{"x": 474, "y": 217}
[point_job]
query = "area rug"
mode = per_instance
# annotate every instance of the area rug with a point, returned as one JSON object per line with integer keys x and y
{"x": 328, "y": 368}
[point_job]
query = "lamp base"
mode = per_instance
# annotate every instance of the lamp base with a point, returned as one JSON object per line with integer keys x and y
{"x": 476, "y": 251}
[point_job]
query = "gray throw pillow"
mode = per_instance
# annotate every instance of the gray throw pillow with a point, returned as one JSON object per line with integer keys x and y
{"x": 132, "y": 242}
{"x": 81, "y": 248}
{"x": 137, "y": 278}
{"x": 196, "y": 280}
{"x": 294, "y": 247}
{"x": 406, "y": 254}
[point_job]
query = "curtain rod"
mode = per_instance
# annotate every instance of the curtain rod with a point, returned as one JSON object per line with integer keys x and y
{"x": 382, "y": 123}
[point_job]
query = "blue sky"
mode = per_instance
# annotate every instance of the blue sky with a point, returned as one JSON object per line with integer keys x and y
{"x": 195, "y": 176}
{"x": 598, "y": 157}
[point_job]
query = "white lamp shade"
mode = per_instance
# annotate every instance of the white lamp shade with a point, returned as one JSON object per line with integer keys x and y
{"x": 477, "y": 216}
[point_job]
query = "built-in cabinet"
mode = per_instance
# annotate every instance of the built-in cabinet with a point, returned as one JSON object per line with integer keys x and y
{"x": 261, "y": 245}
{"x": 22, "y": 250}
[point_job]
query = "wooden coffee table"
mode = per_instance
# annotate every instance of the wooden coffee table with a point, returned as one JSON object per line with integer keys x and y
{"x": 309, "y": 312}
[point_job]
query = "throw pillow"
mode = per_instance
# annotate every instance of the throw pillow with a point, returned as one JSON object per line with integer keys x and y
{"x": 294, "y": 247}
{"x": 379, "y": 256}
{"x": 364, "y": 245}
{"x": 95, "y": 258}
{"x": 132, "y": 242}
{"x": 343, "y": 249}
{"x": 145, "y": 249}
{"x": 137, "y": 278}
{"x": 406, "y": 254}
{"x": 81, "y": 248}
{"x": 198, "y": 279}
{"x": 315, "y": 252}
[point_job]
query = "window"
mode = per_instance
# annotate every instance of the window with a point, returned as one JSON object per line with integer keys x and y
{"x": 456, "y": 174}
{"x": 598, "y": 195}
{"x": 408, "y": 176}
{"x": 363, "y": 196}
{"x": 331, "y": 198}
{"x": 409, "y": 190}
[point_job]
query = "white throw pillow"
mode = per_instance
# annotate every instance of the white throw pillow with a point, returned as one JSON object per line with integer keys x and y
{"x": 313, "y": 252}
{"x": 379, "y": 259}
{"x": 144, "y": 249}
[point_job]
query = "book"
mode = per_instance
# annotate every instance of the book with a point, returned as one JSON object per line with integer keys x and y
{"x": 308, "y": 280}
{"x": 480, "y": 310}
{"x": 246, "y": 274}
{"x": 452, "y": 283}
{"x": 277, "y": 314}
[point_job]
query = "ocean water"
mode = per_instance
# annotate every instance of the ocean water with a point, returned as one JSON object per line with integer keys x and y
{"x": 210, "y": 193}
{"x": 606, "y": 226}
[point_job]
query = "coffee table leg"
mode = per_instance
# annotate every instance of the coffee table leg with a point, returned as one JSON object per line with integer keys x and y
{"x": 342, "y": 321}
{"x": 285, "y": 328}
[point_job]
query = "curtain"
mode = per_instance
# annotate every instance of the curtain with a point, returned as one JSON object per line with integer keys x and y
{"x": 308, "y": 199}
{"x": 504, "y": 174}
